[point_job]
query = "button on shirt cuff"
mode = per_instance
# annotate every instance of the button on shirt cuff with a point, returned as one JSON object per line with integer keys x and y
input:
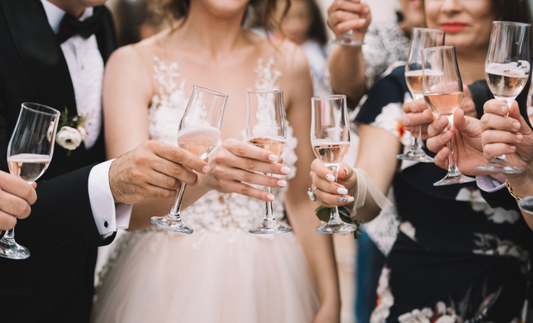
{"x": 108, "y": 215}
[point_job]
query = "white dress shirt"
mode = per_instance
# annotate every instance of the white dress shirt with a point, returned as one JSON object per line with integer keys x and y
{"x": 86, "y": 68}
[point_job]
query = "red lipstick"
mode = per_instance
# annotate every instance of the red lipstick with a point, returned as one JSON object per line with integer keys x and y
{"x": 453, "y": 27}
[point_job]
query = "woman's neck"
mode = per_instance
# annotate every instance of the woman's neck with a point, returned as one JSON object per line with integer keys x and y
{"x": 471, "y": 65}
{"x": 206, "y": 31}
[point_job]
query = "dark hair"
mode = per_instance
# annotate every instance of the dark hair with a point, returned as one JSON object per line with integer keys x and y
{"x": 130, "y": 16}
{"x": 178, "y": 10}
{"x": 317, "y": 31}
{"x": 512, "y": 10}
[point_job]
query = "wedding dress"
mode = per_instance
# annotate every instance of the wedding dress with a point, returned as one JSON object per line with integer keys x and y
{"x": 220, "y": 273}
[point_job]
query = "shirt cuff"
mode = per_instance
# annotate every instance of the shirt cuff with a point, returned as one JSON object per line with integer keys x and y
{"x": 488, "y": 183}
{"x": 108, "y": 215}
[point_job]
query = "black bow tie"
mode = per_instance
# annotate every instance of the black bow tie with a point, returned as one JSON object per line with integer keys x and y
{"x": 71, "y": 26}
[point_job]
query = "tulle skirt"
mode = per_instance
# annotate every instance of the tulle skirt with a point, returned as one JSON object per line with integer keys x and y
{"x": 227, "y": 276}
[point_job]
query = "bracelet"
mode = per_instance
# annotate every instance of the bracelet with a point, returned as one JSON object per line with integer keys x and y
{"x": 510, "y": 189}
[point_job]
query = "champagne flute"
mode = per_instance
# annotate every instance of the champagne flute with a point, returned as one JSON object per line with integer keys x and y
{"x": 198, "y": 133}
{"x": 443, "y": 93}
{"x": 29, "y": 153}
{"x": 506, "y": 71}
{"x": 422, "y": 38}
{"x": 266, "y": 127}
{"x": 330, "y": 137}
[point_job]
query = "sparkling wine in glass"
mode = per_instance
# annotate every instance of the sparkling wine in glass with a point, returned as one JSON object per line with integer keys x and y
{"x": 330, "y": 137}
{"x": 29, "y": 153}
{"x": 199, "y": 133}
{"x": 422, "y": 38}
{"x": 266, "y": 127}
{"x": 507, "y": 71}
{"x": 443, "y": 93}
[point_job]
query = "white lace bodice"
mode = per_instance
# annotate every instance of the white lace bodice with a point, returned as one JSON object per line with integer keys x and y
{"x": 215, "y": 211}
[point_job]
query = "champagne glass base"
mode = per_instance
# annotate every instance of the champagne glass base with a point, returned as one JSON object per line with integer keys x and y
{"x": 12, "y": 250}
{"x": 346, "y": 42}
{"x": 171, "y": 224}
{"x": 499, "y": 165}
{"x": 336, "y": 228}
{"x": 270, "y": 227}
{"x": 449, "y": 180}
{"x": 416, "y": 155}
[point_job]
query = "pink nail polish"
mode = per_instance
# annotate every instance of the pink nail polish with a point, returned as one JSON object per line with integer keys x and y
{"x": 270, "y": 197}
{"x": 206, "y": 169}
{"x": 285, "y": 170}
{"x": 273, "y": 158}
{"x": 282, "y": 183}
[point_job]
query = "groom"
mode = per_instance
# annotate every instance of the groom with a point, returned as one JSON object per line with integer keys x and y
{"x": 79, "y": 205}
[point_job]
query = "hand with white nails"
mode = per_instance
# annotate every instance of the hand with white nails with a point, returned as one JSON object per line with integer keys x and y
{"x": 330, "y": 193}
{"x": 235, "y": 165}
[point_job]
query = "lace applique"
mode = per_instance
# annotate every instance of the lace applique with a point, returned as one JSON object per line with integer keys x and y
{"x": 267, "y": 77}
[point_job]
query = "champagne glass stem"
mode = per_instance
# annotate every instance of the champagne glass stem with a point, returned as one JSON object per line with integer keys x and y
{"x": 176, "y": 208}
{"x": 417, "y": 142}
{"x": 9, "y": 236}
{"x": 453, "y": 171}
{"x": 269, "y": 211}
{"x": 334, "y": 219}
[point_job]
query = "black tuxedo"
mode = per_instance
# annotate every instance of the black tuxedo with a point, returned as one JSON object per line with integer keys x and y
{"x": 56, "y": 283}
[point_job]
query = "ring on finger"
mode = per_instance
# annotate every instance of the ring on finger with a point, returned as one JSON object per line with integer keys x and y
{"x": 312, "y": 194}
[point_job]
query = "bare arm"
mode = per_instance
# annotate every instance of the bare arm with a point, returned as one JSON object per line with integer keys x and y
{"x": 346, "y": 63}
{"x": 318, "y": 248}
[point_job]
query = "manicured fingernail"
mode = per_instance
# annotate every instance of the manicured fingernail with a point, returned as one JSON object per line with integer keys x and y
{"x": 350, "y": 198}
{"x": 503, "y": 108}
{"x": 270, "y": 197}
{"x": 342, "y": 199}
{"x": 516, "y": 125}
{"x": 282, "y": 183}
{"x": 342, "y": 191}
{"x": 330, "y": 178}
{"x": 273, "y": 158}
{"x": 285, "y": 170}
{"x": 405, "y": 121}
{"x": 206, "y": 169}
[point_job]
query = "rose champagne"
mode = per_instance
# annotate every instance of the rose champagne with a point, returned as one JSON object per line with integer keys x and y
{"x": 331, "y": 153}
{"x": 273, "y": 144}
{"x": 444, "y": 103}
{"x": 199, "y": 141}
{"x": 505, "y": 85}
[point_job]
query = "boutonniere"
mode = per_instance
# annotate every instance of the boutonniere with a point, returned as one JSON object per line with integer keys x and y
{"x": 324, "y": 213}
{"x": 71, "y": 131}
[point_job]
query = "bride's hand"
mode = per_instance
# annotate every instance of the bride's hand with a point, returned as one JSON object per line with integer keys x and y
{"x": 328, "y": 191}
{"x": 235, "y": 165}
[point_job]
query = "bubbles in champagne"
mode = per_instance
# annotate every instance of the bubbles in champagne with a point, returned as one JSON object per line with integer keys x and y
{"x": 508, "y": 79}
{"x": 199, "y": 141}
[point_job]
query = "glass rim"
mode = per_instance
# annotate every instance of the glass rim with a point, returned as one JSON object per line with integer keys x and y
{"x": 498, "y": 22}
{"x": 265, "y": 91}
{"x": 329, "y": 97}
{"x": 30, "y": 105}
{"x": 433, "y": 29}
{"x": 439, "y": 48}
{"x": 210, "y": 90}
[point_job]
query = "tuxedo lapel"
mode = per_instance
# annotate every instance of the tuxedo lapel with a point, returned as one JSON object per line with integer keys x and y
{"x": 105, "y": 36}
{"x": 45, "y": 65}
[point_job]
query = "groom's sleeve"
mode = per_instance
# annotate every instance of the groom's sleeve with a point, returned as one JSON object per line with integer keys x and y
{"x": 61, "y": 218}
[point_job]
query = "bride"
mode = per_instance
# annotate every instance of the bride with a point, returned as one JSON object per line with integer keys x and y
{"x": 220, "y": 273}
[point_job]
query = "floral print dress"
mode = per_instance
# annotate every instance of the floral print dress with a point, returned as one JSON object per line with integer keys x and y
{"x": 455, "y": 258}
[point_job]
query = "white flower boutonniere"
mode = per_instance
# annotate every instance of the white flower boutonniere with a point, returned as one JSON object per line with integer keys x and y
{"x": 71, "y": 131}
